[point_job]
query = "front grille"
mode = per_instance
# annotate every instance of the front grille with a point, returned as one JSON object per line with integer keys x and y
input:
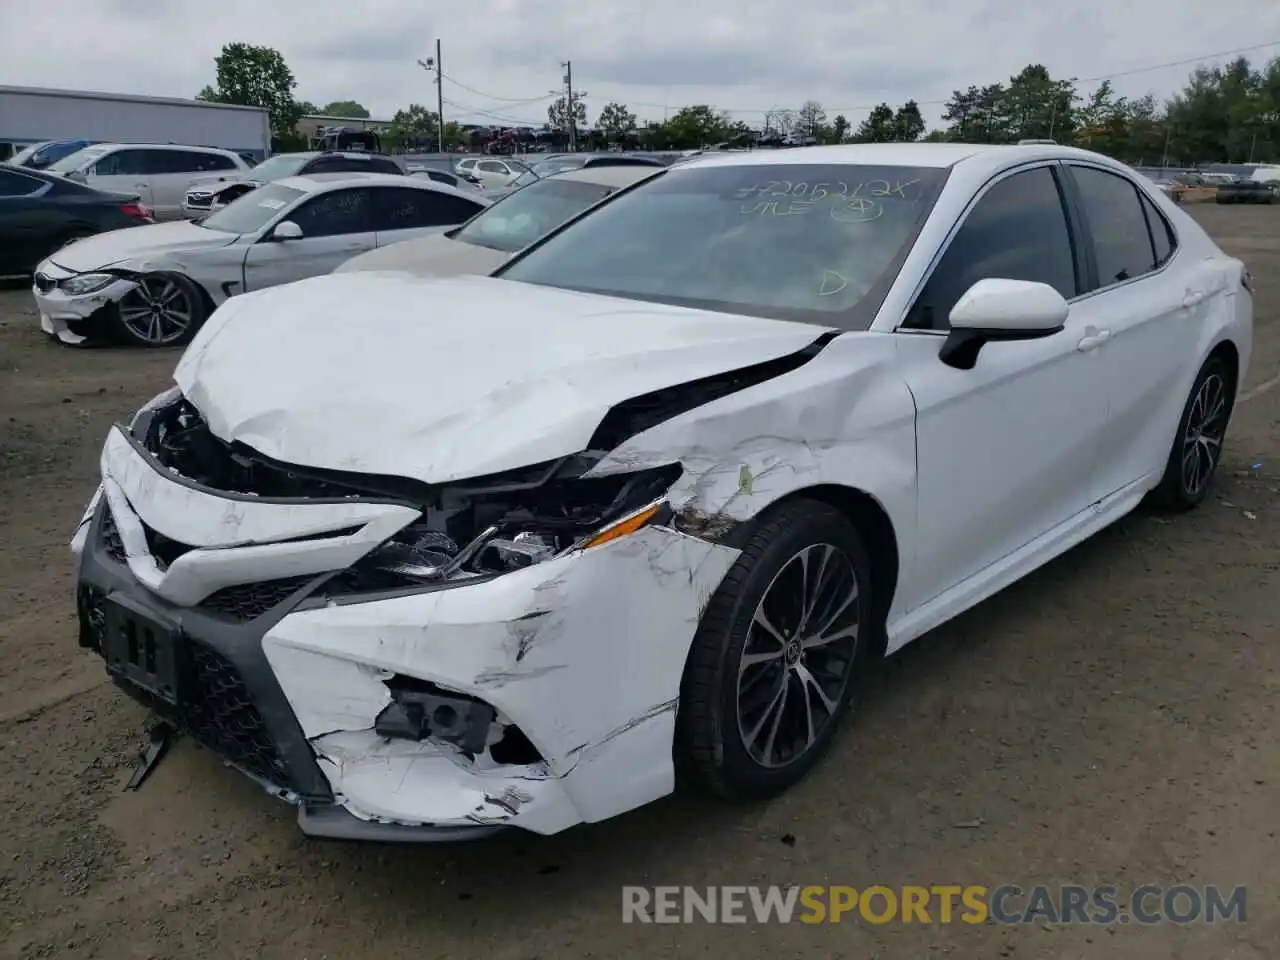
{"x": 222, "y": 716}
{"x": 248, "y": 601}
{"x": 44, "y": 282}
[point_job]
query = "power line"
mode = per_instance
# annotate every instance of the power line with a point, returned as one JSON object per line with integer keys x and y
{"x": 488, "y": 96}
{"x": 941, "y": 101}
{"x": 503, "y": 118}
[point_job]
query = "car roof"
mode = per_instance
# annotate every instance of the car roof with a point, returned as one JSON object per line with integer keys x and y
{"x": 621, "y": 175}
{"x": 319, "y": 182}
{"x": 158, "y": 146}
{"x": 977, "y": 156}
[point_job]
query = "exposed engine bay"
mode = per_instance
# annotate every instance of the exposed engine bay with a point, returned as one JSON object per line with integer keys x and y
{"x": 477, "y": 528}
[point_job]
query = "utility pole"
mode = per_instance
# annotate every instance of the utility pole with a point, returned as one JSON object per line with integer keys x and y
{"x": 571, "y": 118}
{"x": 435, "y": 65}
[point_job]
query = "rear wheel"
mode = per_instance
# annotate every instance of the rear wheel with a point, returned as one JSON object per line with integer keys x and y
{"x": 163, "y": 310}
{"x": 1197, "y": 448}
{"x": 777, "y": 658}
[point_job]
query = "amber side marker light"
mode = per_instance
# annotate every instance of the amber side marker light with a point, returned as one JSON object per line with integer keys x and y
{"x": 623, "y": 527}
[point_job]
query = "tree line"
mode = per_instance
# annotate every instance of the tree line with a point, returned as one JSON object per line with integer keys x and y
{"x": 1225, "y": 113}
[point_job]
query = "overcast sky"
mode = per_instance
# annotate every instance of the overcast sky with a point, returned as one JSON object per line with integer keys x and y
{"x": 652, "y": 55}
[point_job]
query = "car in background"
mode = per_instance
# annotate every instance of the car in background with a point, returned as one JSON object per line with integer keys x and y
{"x": 41, "y": 212}
{"x": 646, "y": 506}
{"x": 484, "y": 242}
{"x": 39, "y": 156}
{"x": 495, "y": 173}
{"x": 457, "y": 180}
{"x": 1171, "y": 189}
{"x": 204, "y": 195}
{"x": 154, "y": 286}
{"x": 157, "y": 172}
{"x": 580, "y": 161}
{"x": 1247, "y": 191}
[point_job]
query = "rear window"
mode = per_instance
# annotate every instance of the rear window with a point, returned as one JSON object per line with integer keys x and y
{"x": 818, "y": 243}
{"x": 253, "y": 211}
{"x": 529, "y": 214}
{"x": 78, "y": 160}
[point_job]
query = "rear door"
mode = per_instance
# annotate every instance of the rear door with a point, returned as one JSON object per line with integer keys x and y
{"x": 402, "y": 213}
{"x": 175, "y": 168}
{"x": 127, "y": 170}
{"x": 1150, "y": 313}
{"x": 336, "y": 226}
{"x": 26, "y": 232}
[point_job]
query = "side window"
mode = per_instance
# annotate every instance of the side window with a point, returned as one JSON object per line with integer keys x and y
{"x": 16, "y": 185}
{"x": 396, "y": 208}
{"x": 210, "y": 162}
{"x": 1121, "y": 238}
{"x": 334, "y": 213}
{"x": 1016, "y": 231}
{"x": 175, "y": 161}
{"x": 1161, "y": 232}
{"x": 129, "y": 163}
{"x": 491, "y": 166}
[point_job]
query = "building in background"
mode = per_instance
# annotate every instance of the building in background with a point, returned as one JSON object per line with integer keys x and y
{"x": 34, "y": 114}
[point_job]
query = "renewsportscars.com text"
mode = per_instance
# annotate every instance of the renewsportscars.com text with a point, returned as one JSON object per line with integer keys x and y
{"x": 974, "y": 904}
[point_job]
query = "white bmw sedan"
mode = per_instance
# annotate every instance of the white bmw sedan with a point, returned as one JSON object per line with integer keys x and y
{"x": 510, "y": 551}
{"x": 154, "y": 286}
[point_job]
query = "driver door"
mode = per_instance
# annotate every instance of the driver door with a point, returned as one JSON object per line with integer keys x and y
{"x": 1009, "y": 449}
{"x": 336, "y": 226}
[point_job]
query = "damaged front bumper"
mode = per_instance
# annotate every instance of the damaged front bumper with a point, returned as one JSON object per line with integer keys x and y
{"x": 539, "y": 698}
{"x": 74, "y": 319}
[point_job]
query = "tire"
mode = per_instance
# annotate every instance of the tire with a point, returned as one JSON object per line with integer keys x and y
{"x": 713, "y": 741}
{"x": 165, "y": 310}
{"x": 1177, "y": 490}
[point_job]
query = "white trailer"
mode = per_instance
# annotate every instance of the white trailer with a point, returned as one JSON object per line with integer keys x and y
{"x": 32, "y": 114}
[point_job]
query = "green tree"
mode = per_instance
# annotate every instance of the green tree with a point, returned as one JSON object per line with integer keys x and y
{"x": 838, "y": 132}
{"x": 878, "y": 127}
{"x": 413, "y": 128}
{"x": 345, "y": 108}
{"x": 1035, "y": 106}
{"x": 616, "y": 121}
{"x": 256, "y": 76}
{"x": 558, "y": 115}
{"x": 908, "y": 125}
{"x": 694, "y": 127}
{"x": 308, "y": 108}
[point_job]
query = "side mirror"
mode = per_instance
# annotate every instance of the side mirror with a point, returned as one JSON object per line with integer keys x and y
{"x": 993, "y": 310}
{"x": 286, "y": 230}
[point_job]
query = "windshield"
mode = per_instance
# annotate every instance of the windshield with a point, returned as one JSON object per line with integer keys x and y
{"x": 548, "y": 167}
{"x": 78, "y": 160}
{"x": 253, "y": 211}
{"x": 530, "y": 214}
{"x": 279, "y": 167}
{"x": 795, "y": 241}
{"x": 25, "y": 154}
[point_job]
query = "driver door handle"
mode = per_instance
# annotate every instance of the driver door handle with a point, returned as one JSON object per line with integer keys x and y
{"x": 1093, "y": 339}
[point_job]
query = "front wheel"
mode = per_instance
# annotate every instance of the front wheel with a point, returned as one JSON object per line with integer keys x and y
{"x": 1197, "y": 448}
{"x": 164, "y": 310}
{"x": 778, "y": 655}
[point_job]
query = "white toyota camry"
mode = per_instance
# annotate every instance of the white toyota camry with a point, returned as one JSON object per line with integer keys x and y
{"x": 431, "y": 557}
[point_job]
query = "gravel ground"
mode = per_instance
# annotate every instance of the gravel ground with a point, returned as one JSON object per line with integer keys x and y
{"x": 1110, "y": 720}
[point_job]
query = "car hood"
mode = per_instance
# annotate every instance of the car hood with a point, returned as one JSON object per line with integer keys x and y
{"x": 441, "y": 380}
{"x": 434, "y": 256}
{"x": 106, "y": 249}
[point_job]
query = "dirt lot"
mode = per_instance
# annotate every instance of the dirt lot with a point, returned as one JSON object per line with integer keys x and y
{"x": 1112, "y": 720}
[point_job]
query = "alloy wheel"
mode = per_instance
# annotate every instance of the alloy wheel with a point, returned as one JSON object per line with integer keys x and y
{"x": 1202, "y": 441}
{"x": 798, "y": 656}
{"x": 159, "y": 311}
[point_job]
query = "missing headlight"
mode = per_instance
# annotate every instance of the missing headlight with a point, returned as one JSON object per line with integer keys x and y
{"x": 477, "y": 534}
